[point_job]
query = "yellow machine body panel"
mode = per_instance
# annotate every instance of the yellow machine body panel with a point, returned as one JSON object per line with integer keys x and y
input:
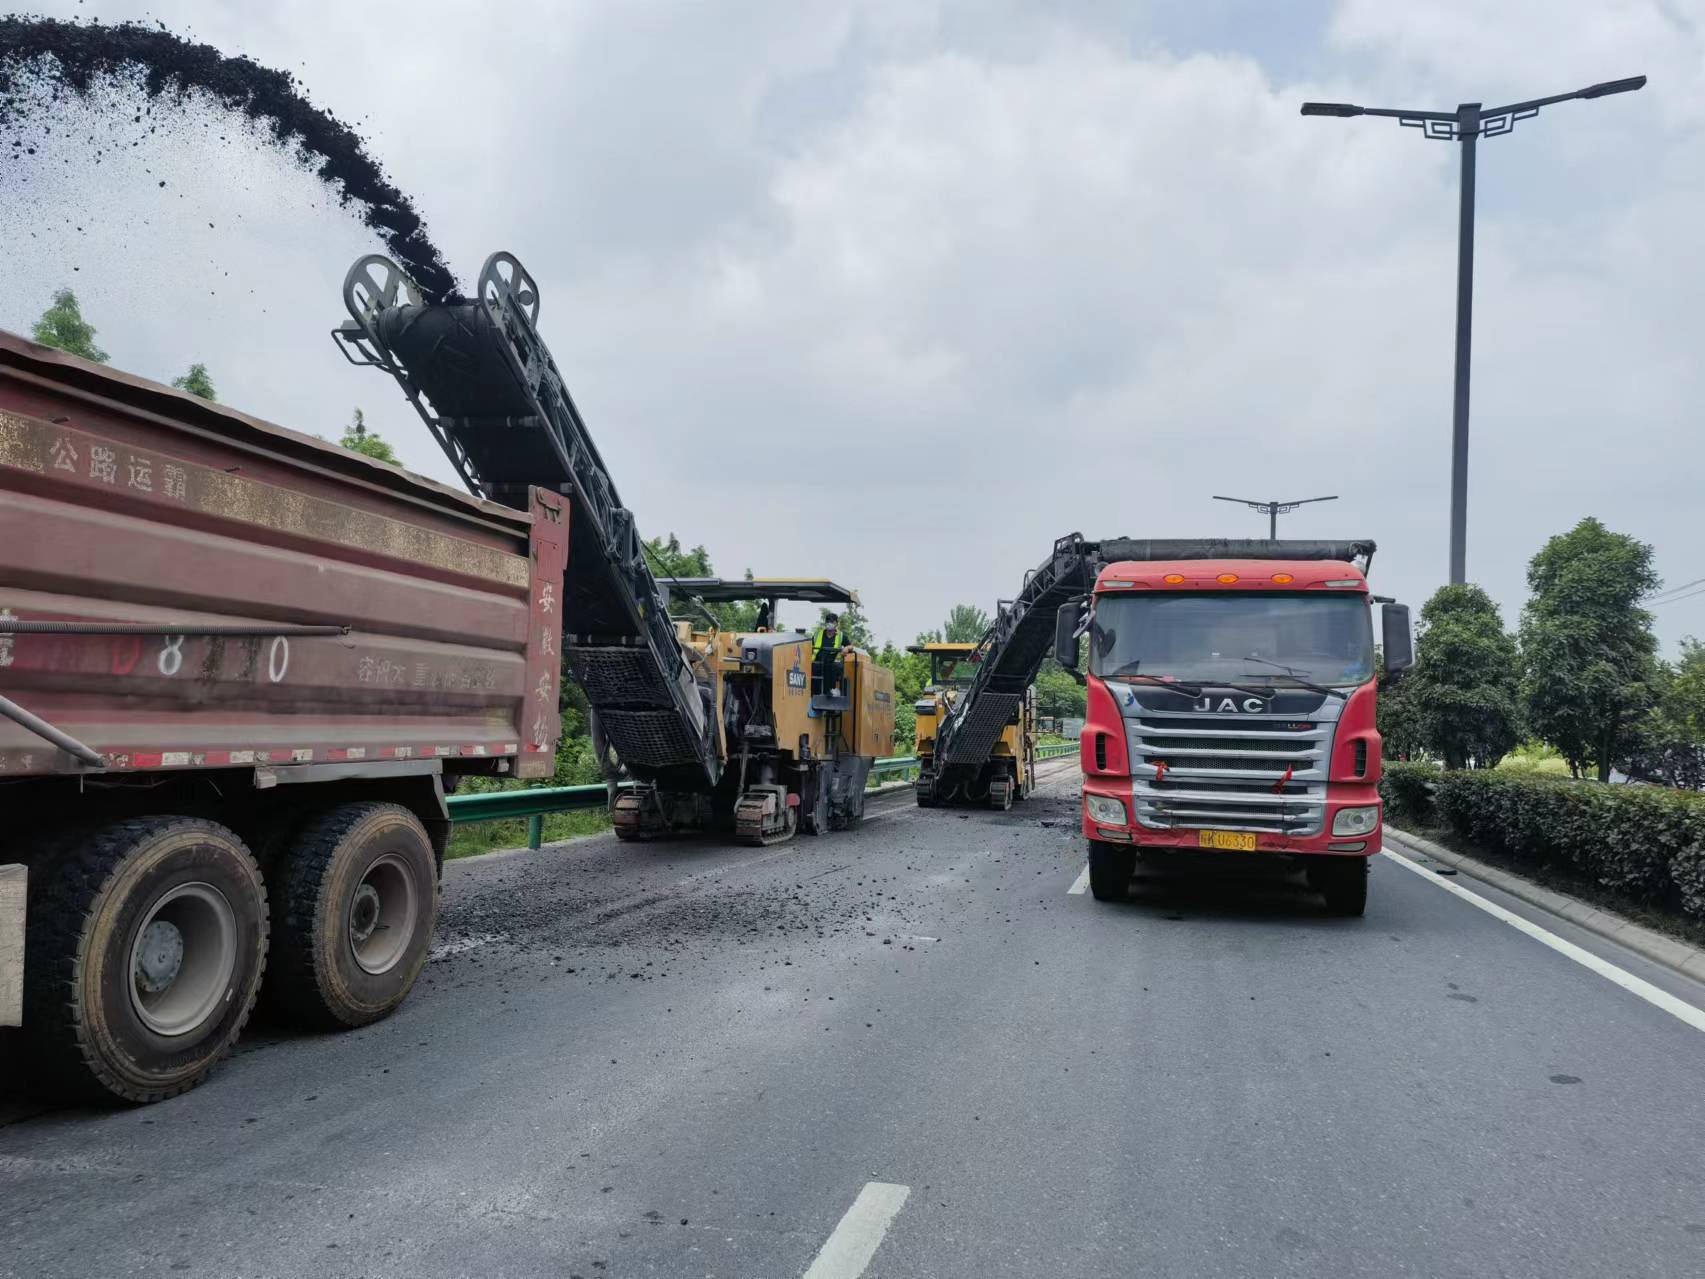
{"x": 871, "y": 725}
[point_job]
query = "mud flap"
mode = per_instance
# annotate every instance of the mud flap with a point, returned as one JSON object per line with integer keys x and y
{"x": 13, "y": 882}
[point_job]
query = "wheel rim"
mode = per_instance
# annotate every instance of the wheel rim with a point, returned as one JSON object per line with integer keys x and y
{"x": 382, "y": 914}
{"x": 183, "y": 959}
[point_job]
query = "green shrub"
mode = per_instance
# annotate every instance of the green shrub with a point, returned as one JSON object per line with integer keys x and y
{"x": 1407, "y": 790}
{"x": 1645, "y": 842}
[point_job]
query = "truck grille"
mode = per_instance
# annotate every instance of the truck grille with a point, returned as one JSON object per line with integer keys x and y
{"x": 1229, "y": 772}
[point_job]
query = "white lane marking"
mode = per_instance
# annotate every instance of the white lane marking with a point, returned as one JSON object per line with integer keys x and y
{"x": 1080, "y": 885}
{"x": 1677, "y": 1008}
{"x": 848, "y": 1250}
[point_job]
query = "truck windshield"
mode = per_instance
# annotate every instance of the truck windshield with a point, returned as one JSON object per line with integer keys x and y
{"x": 1275, "y": 639}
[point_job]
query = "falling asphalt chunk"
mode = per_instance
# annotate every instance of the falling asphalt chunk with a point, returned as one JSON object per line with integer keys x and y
{"x": 78, "y": 57}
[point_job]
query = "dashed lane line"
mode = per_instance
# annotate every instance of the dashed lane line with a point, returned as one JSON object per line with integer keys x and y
{"x": 848, "y": 1250}
{"x": 1080, "y": 885}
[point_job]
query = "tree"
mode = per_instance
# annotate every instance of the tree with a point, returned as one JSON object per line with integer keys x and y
{"x": 358, "y": 439}
{"x": 1058, "y": 694}
{"x": 62, "y": 325}
{"x": 196, "y": 382}
{"x": 1398, "y": 724}
{"x": 671, "y": 562}
{"x": 1588, "y": 645}
{"x": 965, "y": 624}
{"x": 1668, "y": 745}
{"x": 1463, "y": 699}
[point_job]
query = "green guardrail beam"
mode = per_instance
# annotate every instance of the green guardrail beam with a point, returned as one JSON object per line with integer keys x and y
{"x": 536, "y": 802}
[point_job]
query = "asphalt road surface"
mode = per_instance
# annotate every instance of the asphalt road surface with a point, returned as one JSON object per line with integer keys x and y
{"x": 913, "y": 1051}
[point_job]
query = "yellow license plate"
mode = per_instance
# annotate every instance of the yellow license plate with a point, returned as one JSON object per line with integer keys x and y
{"x": 1228, "y": 839}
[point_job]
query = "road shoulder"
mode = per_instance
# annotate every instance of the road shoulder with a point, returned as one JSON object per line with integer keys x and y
{"x": 1677, "y": 956}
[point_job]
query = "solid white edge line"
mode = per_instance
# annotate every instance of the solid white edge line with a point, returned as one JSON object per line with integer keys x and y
{"x": 1677, "y": 1008}
{"x": 1081, "y": 883}
{"x": 853, "y": 1242}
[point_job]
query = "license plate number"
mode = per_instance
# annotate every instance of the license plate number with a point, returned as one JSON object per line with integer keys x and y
{"x": 1234, "y": 841}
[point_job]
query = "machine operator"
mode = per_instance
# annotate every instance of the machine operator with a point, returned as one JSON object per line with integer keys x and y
{"x": 826, "y": 656}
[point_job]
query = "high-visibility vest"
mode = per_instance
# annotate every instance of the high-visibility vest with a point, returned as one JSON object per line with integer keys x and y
{"x": 822, "y": 640}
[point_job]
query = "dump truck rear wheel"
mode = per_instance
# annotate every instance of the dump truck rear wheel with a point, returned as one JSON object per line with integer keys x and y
{"x": 1111, "y": 867}
{"x": 353, "y": 910}
{"x": 145, "y": 948}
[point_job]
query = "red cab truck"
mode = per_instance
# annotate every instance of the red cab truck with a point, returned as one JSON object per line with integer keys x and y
{"x": 239, "y": 668}
{"x": 1231, "y": 691}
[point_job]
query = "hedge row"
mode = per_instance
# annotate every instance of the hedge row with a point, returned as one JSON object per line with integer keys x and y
{"x": 1646, "y": 842}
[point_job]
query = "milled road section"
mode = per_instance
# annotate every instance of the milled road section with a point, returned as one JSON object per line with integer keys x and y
{"x": 911, "y": 1050}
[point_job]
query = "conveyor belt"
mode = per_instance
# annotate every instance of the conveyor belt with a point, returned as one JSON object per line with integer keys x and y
{"x": 487, "y": 388}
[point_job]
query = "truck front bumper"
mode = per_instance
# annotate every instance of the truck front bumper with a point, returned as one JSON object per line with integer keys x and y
{"x": 1104, "y": 798}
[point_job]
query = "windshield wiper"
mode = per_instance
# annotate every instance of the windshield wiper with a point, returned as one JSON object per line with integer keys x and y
{"x": 1129, "y": 671}
{"x": 1301, "y": 682}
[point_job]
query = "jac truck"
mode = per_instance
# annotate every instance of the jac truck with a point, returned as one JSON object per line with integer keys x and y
{"x": 239, "y": 669}
{"x": 1230, "y": 689}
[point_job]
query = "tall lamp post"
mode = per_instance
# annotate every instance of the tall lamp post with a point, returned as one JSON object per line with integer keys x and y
{"x": 1466, "y": 124}
{"x": 1272, "y": 510}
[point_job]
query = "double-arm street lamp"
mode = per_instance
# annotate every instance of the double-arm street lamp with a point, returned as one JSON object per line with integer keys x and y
{"x": 1466, "y": 124}
{"x": 1272, "y": 510}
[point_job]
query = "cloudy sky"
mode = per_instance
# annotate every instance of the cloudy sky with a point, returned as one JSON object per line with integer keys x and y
{"x": 898, "y": 291}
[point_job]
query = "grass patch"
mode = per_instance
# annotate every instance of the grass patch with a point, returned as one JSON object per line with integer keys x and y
{"x": 470, "y": 839}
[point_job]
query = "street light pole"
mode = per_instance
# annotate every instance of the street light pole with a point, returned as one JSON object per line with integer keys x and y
{"x": 1466, "y": 125}
{"x": 1272, "y": 510}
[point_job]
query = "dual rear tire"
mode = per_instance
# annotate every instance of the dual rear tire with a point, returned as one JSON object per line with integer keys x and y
{"x": 147, "y": 941}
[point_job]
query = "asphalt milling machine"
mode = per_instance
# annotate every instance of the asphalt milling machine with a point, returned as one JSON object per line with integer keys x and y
{"x": 980, "y": 746}
{"x": 700, "y": 729}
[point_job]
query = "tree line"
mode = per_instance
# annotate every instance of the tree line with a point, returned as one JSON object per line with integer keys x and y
{"x": 1580, "y": 676}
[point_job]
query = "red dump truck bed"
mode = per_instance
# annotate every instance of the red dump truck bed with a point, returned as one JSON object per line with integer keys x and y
{"x": 236, "y": 664}
{"x": 123, "y": 501}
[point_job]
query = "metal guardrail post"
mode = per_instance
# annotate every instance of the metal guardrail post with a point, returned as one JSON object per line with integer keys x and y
{"x": 535, "y": 831}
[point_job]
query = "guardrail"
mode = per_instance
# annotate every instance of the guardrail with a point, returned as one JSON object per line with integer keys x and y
{"x": 533, "y": 803}
{"x": 537, "y": 802}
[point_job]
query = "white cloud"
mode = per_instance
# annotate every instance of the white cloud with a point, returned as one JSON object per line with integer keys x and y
{"x": 886, "y": 292}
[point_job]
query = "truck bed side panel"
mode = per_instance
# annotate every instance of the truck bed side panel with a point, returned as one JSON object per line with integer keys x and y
{"x": 124, "y": 502}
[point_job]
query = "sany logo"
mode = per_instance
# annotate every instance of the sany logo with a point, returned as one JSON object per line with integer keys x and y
{"x": 1230, "y": 705}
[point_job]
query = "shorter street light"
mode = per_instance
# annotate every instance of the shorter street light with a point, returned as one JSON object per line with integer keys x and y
{"x": 1272, "y": 510}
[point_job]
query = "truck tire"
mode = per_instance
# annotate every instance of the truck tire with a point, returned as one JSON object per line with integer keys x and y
{"x": 144, "y": 951}
{"x": 1111, "y": 867}
{"x": 1343, "y": 881}
{"x": 354, "y": 903}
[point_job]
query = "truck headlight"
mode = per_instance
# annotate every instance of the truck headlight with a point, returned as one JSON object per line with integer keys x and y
{"x": 1355, "y": 821}
{"x": 1105, "y": 809}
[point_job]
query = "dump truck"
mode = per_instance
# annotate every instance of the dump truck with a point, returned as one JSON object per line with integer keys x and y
{"x": 1007, "y": 772}
{"x": 239, "y": 669}
{"x": 1231, "y": 693}
{"x": 727, "y": 733}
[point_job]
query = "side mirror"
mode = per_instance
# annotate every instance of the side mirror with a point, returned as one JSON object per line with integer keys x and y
{"x": 1396, "y": 640}
{"x": 1065, "y": 634}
